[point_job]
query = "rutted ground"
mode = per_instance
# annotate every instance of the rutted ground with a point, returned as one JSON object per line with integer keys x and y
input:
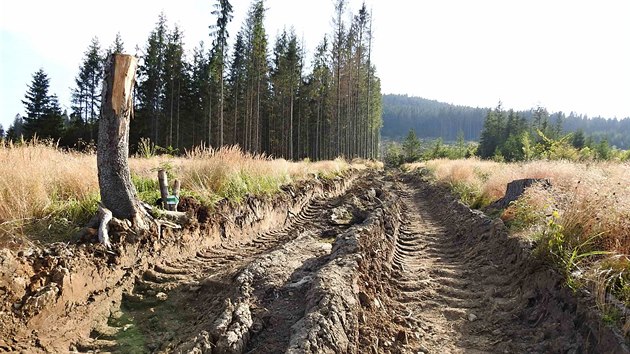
{"x": 381, "y": 264}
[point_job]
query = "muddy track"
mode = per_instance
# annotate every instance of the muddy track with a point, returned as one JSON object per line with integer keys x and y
{"x": 460, "y": 285}
{"x": 385, "y": 264}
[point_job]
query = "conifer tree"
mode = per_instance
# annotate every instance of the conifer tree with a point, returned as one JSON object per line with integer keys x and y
{"x": 16, "y": 129}
{"x": 236, "y": 83}
{"x": 86, "y": 96}
{"x": 150, "y": 86}
{"x": 43, "y": 113}
{"x": 200, "y": 91}
{"x": 172, "y": 77}
{"x": 411, "y": 146}
{"x": 118, "y": 47}
{"x": 223, "y": 12}
{"x": 257, "y": 74}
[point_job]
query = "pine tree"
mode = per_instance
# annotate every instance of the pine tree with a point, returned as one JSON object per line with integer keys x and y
{"x": 2, "y": 132}
{"x": 86, "y": 96}
{"x": 150, "y": 87}
{"x": 286, "y": 80}
{"x": 236, "y": 83}
{"x": 172, "y": 77}
{"x": 223, "y": 12}
{"x": 411, "y": 146}
{"x": 16, "y": 130}
{"x": 43, "y": 114}
{"x": 118, "y": 47}
{"x": 257, "y": 74}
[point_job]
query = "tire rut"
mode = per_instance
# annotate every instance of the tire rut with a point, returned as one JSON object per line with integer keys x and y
{"x": 178, "y": 305}
{"x": 458, "y": 296}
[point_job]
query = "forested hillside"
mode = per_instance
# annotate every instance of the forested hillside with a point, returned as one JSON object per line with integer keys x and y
{"x": 434, "y": 119}
{"x": 260, "y": 93}
{"x": 430, "y": 118}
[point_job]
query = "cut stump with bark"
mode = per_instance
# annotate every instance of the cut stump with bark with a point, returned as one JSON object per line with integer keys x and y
{"x": 118, "y": 193}
{"x": 514, "y": 190}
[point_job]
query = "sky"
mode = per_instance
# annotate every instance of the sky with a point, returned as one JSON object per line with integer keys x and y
{"x": 565, "y": 55}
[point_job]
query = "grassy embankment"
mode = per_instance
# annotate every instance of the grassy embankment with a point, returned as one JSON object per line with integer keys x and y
{"x": 47, "y": 194}
{"x": 581, "y": 223}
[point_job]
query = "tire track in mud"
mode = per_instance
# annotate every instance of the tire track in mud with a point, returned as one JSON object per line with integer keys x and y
{"x": 386, "y": 266}
{"x": 460, "y": 290}
{"x": 232, "y": 298}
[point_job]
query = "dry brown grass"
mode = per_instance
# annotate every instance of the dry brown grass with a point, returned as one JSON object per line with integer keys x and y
{"x": 590, "y": 197}
{"x": 39, "y": 181}
{"x": 231, "y": 173}
{"x": 586, "y": 210}
{"x": 35, "y": 176}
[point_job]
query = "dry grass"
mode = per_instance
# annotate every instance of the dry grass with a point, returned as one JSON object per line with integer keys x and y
{"x": 231, "y": 173}
{"x": 37, "y": 176}
{"x": 40, "y": 184}
{"x": 590, "y": 197}
{"x": 585, "y": 212}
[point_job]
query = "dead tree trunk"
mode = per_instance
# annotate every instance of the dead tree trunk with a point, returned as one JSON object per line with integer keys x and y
{"x": 118, "y": 193}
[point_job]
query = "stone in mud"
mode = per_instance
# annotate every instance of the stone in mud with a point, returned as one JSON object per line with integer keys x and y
{"x": 364, "y": 299}
{"x": 42, "y": 298}
{"x": 341, "y": 216}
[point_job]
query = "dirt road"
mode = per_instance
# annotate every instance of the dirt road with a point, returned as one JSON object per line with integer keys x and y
{"x": 386, "y": 264}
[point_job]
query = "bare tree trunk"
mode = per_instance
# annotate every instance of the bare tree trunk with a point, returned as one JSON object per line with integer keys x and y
{"x": 118, "y": 194}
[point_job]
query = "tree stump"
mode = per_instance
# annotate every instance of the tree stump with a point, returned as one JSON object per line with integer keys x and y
{"x": 118, "y": 193}
{"x": 515, "y": 189}
{"x": 119, "y": 197}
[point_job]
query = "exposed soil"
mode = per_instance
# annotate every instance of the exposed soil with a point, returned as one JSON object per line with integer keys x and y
{"x": 370, "y": 263}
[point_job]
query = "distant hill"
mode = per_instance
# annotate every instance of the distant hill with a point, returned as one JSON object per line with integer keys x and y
{"x": 433, "y": 119}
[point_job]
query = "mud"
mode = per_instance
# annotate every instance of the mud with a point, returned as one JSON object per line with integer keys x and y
{"x": 368, "y": 263}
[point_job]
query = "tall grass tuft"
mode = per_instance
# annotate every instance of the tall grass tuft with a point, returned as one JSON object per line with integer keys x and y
{"x": 46, "y": 191}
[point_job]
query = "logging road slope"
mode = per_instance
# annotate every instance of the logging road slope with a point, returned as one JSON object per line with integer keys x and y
{"x": 389, "y": 264}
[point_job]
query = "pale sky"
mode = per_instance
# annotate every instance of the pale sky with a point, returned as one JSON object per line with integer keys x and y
{"x": 561, "y": 54}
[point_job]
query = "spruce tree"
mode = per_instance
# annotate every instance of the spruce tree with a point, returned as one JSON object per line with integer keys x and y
{"x": 86, "y": 96}
{"x": 16, "y": 129}
{"x": 174, "y": 71}
{"x": 150, "y": 86}
{"x": 223, "y": 12}
{"x": 257, "y": 123}
{"x": 411, "y": 146}
{"x": 43, "y": 114}
{"x": 200, "y": 90}
{"x": 578, "y": 139}
{"x": 286, "y": 78}
{"x": 236, "y": 84}
{"x": 118, "y": 47}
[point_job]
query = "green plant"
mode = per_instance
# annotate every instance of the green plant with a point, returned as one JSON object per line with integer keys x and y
{"x": 522, "y": 214}
{"x": 148, "y": 188}
{"x": 469, "y": 194}
{"x": 146, "y": 148}
{"x": 567, "y": 255}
